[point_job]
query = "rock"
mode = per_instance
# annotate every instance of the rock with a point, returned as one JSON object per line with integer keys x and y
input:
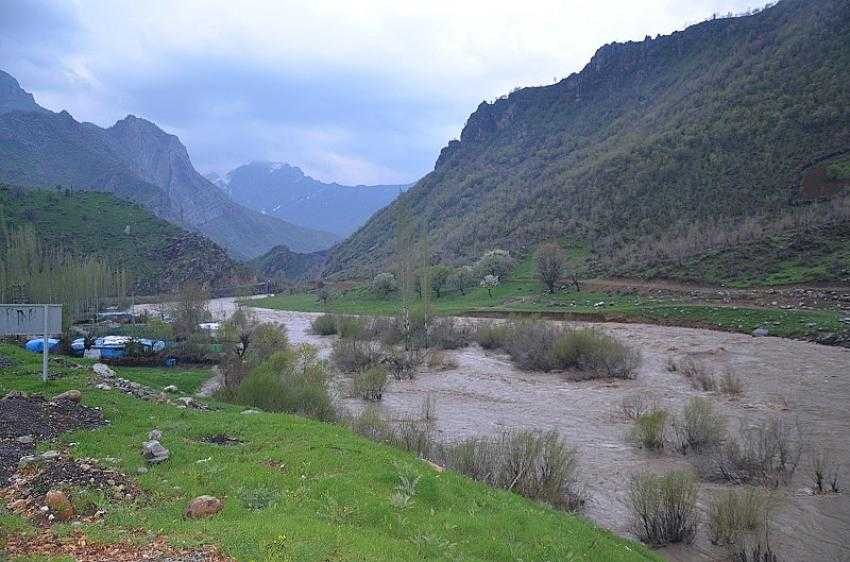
{"x": 170, "y": 388}
{"x": 142, "y": 470}
{"x": 434, "y": 465}
{"x": 71, "y": 395}
{"x": 15, "y": 394}
{"x": 28, "y": 460}
{"x": 203, "y": 506}
{"x": 25, "y": 439}
{"x": 250, "y": 412}
{"x": 103, "y": 370}
{"x": 59, "y": 504}
{"x": 103, "y": 386}
{"x": 761, "y": 332}
{"x": 186, "y": 401}
{"x": 49, "y": 455}
{"x": 154, "y": 435}
{"x": 154, "y": 453}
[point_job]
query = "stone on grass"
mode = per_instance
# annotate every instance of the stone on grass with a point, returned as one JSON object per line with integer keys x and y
{"x": 154, "y": 453}
{"x": 71, "y": 395}
{"x": 250, "y": 412}
{"x": 761, "y": 332}
{"x": 154, "y": 435}
{"x": 203, "y": 506}
{"x": 59, "y": 504}
{"x": 49, "y": 455}
{"x": 25, "y": 439}
{"x": 170, "y": 388}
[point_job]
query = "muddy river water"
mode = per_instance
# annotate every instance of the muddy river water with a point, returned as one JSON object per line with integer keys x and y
{"x": 798, "y": 381}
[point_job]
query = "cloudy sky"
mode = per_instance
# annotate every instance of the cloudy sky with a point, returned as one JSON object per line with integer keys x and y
{"x": 351, "y": 91}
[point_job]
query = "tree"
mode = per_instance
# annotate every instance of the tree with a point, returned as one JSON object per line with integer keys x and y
{"x": 383, "y": 284}
{"x": 463, "y": 278}
{"x": 190, "y": 309}
{"x": 490, "y": 282}
{"x": 551, "y": 262}
{"x": 439, "y": 278}
{"x": 495, "y": 262}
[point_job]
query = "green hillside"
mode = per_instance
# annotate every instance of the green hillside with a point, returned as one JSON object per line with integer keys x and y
{"x": 157, "y": 254}
{"x": 669, "y": 145}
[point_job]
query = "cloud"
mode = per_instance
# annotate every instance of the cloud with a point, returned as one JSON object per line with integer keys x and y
{"x": 352, "y": 91}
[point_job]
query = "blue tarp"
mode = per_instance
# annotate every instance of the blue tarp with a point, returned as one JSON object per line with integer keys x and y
{"x": 37, "y": 345}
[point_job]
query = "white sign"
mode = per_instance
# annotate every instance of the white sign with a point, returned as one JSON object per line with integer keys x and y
{"x": 30, "y": 319}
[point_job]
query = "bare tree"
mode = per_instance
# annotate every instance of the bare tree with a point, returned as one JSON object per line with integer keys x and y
{"x": 551, "y": 262}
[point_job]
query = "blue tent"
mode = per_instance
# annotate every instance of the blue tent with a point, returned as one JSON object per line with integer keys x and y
{"x": 37, "y": 345}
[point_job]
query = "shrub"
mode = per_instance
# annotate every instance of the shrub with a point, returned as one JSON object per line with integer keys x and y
{"x": 350, "y": 326}
{"x": 602, "y": 353}
{"x": 551, "y": 261}
{"x": 437, "y": 360}
{"x": 638, "y": 404}
{"x": 447, "y": 333}
{"x": 664, "y": 507}
{"x": 700, "y": 426}
{"x": 402, "y": 364}
{"x": 372, "y": 425}
{"x": 289, "y": 381}
{"x": 495, "y": 263}
{"x": 266, "y": 340}
{"x": 370, "y": 384}
{"x": 537, "y": 465}
{"x": 731, "y": 384}
{"x": 695, "y": 373}
{"x": 414, "y": 436}
{"x": 766, "y": 454}
{"x": 735, "y": 513}
{"x": 650, "y": 429}
{"x": 383, "y": 285}
{"x": 324, "y": 325}
{"x": 531, "y": 343}
{"x": 491, "y": 335}
{"x": 824, "y": 473}
{"x": 351, "y": 355}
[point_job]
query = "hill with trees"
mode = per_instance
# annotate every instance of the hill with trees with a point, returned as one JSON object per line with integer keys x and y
{"x": 657, "y": 150}
{"x": 155, "y": 255}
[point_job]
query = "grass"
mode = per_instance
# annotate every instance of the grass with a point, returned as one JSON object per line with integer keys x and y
{"x": 335, "y": 489}
{"x": 187, "y": 380}
{"x": 523, "y": 294}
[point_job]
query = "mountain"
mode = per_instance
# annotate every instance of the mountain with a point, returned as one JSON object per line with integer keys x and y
{"x": 158, "y": 256}
{"x": 135, "y": 160}
{"x": 282, "y": 263}
{"x": 682, "y": 141}
{"x": 285, "y": 192}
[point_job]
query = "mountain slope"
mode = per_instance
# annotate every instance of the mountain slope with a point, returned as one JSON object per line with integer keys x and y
{"x": 651, "y": 141}
{"x": 285, "y": 192}
{"x": 282, "y": 263}
{"x": 159, "y": 256}
{"x": 137, "y": 161}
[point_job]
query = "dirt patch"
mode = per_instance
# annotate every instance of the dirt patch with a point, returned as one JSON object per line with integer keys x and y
{"x": 81, "y": 549}
{"x": 34, "y": 415}
{"x": 11, "y": 451}
{"x": 221, "y": 439}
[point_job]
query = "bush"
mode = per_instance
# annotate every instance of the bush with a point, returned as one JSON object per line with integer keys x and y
{"x": 731, "y": 384}
{"x": 383, "y": 285}
{"x": 372, "y": 425}
{"x": 766, "y": 454}
{"x": 437, "y": 360}
{"x": 664, "y": 507}
{"x": 289, "y": 381}
{"x": 650, "y": 429}
{"x": 402, "y": 364}
{"x": 350, "y": 326}
{"x": 536, "y": 465}
{"x": 370, "y": 384}
{"x": 266, "y": 340}
{"x": 824, "y": 473}
{"x": 598, "y": 352}
{"x": 636, "y": 405}
{"x": 695, "y": 372}
{"x": 491, "y": 335}
{"x": 351, "y": 355}
{"x": 732, "y": 514}
{"x": 324, "y": 325}
{"x": 447, "y": 333}
{"x": 700, "y": 426}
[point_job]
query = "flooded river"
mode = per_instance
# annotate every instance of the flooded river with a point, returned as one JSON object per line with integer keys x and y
{"x": 799, "y": 381}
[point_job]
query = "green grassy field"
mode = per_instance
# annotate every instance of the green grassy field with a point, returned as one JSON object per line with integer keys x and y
{"x": 523, "y": 294}
{"x": 333, "y": 489}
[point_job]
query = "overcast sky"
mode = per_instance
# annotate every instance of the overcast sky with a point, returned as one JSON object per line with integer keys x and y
{"x": 355, "y": 92}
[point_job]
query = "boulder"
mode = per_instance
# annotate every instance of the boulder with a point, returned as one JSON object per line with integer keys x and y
{"x": 59, "y": 505}
{"x": 154, "y": 453}
{"x": 761, "y": 332}
{"x": 154, "y": 435}
{"x": 49, "y": 455}
{"x": 103, "y": 370}
{"x": 203, "y": 506}
{"x": 71, "y": 395}
{"x": 170, "y": 388}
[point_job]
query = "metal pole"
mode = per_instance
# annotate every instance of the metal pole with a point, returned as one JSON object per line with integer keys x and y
{"x": 45, "y": 347}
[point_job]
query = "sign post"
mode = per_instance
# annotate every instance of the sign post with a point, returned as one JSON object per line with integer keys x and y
{"x": 31, "y": 320}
